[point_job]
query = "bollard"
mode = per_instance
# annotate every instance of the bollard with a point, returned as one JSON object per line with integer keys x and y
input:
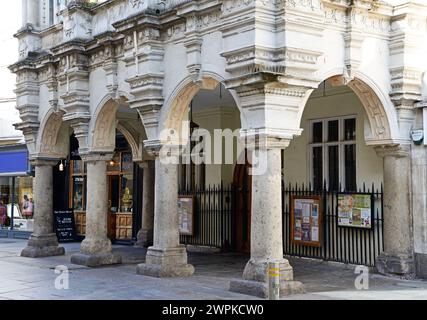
{"x": 273, "y": 281}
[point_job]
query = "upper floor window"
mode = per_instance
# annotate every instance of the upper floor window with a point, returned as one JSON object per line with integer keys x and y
{"x": 52, "y": 12}
{"x": 332, "y": 153}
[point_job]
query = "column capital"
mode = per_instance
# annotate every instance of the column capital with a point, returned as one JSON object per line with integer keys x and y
{"x": 157, "y": 148}
{"x": 396, "y": 151}
{"x": 44, "y": 162}
{"x": 96, "y": 157}
{"x": 146, "y": 164}
{"x": 266, "y": 139}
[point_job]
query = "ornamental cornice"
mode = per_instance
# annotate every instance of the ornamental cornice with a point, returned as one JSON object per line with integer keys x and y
{"x": 265, "y": 90}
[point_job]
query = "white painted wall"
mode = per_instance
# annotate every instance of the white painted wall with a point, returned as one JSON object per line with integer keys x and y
{"x": 211, "y": 118}
{"x": 369, "y": 166}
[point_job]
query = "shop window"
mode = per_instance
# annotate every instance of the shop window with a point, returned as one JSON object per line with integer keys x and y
{"x": 333, "y": 153}
{"x": 17, "y": 201}
{"x": 120, "y": 172}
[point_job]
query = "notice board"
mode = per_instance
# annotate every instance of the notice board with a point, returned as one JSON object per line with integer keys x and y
{"x": 306, "y": 220}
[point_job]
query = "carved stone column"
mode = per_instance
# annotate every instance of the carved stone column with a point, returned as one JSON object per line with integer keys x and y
{"x": 145, "y": 235}
{"x": 43, "y": 242}
{"x": 398, "y": 258}
{"x": 166, "y": 258}
{"x": 266, "y": 226}
{"x": 96, "y": 248}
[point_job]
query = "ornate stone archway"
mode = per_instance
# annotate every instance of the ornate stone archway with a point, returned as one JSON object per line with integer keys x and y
{"x": 380, "y": 111}
{"x": 53, "y": 137}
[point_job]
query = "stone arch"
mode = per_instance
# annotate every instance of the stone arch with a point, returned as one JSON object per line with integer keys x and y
{"x": 131, "y": 138}
{"x": 383, "y": 121}
{"x": 173, "y": 111}
{"x": 103, "y": 128}
{"x": 53, "y": 137}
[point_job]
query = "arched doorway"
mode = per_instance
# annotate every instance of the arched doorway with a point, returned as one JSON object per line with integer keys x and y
{"x": 213, "y": 120}
{"x": 117, "y": 132}
{"x": 336, "y": 160}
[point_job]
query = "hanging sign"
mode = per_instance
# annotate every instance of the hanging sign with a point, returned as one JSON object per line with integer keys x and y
{"x": 306, "y": 220}
{"x": 355, "y": 210}
{"x": 186, "y": 206}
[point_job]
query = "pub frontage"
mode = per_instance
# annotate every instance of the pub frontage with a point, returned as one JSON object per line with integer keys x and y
{"x": 311, "y": 145}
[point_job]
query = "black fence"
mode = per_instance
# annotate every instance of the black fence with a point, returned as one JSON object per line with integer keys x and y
{"x": 215, "y": 224}
{"x": 341, "y": 244}
{"x": 213, "y": 218}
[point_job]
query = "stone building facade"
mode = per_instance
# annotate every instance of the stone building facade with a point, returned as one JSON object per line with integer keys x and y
{"x": 91, "y": 68}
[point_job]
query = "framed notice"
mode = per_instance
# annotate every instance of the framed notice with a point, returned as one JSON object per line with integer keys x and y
{"x": 355, "y": 210}
{"x": 306, "y": 220}
{"x": 186, "y": 206}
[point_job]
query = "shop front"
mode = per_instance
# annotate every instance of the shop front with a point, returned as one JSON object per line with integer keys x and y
{"x": 123, "y": 176}
{"x": 16, "y": 193}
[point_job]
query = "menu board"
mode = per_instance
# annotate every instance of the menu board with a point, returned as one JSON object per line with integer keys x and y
{"x": 65, "y": 226}
{"x": 355, "y": 210}
{"x": 306, "y": 221}
{"x": 186, "y": 205}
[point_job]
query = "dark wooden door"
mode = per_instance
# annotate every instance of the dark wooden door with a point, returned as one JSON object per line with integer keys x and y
{"x": 243, "y": 185}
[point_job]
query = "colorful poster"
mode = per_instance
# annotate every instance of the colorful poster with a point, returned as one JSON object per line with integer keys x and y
{"x": 355, "y": 210}
{"x": 306, "y": 221}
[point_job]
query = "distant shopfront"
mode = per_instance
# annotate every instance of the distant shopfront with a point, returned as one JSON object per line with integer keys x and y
{"x": 16, "y": 193}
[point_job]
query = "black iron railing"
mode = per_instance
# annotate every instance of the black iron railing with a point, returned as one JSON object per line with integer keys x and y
{"x": 213, "y": 218}
{"x": 341, "y": 244}
{"x": 215, "y": 224}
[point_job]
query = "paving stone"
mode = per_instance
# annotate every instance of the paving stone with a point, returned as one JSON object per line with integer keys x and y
{"x": 25, "y": 279}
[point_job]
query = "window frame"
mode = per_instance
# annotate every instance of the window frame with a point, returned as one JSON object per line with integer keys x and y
{"x": 325, "y": 144}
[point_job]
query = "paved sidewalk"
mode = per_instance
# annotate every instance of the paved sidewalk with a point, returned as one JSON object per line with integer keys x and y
{"x": 24, "y": 278}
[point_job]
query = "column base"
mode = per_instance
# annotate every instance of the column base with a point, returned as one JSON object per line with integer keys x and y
{"x": 421, "y": 265}
{"x": 40, "y": 246}
{"x": 166, "y": 263}
{"x": 144, "y": 239}
{"x": 257, "y": 270}
{"x": 260, "y": 289}
{"x": 401, "y": 265}
{"x": 255, "y": 280}
{"x": 96, "y": 246}
{"x": 96, "y": 260}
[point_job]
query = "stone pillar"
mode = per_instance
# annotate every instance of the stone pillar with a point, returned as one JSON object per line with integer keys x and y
{"x": 145, "y": 235}
{"x": 398, "y": 256}
{"x": 96, "y": 249}
{"x": 30, "y": 12}
{"x": 43, "y": 242}
{"x": 266, "y": 231}
{"x": 166, "y": 258}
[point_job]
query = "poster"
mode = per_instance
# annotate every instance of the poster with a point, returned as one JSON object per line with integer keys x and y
{"x": 306, "y": 221}
{"x": 355, "y": 210}
{"x": 186, "y": 205}
{"x": 65, "y": 225}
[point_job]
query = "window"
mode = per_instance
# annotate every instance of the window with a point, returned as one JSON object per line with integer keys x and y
{"x": 16, "y": 198}
{"x": 332, "y": 152}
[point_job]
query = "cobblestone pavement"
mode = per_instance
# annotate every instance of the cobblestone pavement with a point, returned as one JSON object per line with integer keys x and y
{"x": 24, "y": 279}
